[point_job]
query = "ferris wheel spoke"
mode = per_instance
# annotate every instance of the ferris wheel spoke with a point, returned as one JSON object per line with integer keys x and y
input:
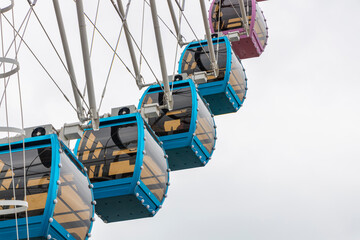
{"x": 22, "y": 123}
{"x": 167, "y": 26}
{"x": 27, "y": 18}
{"x": 110, "y": 68}
{"x": 142, "y": 34}
{"x": 192, "y": 30}
{"x": 42, "y": 65}
{"x": 93, "y": 32}
{"x": 107, "y": 42}
{"x": 143, "y": 56}
{"x": 56, "y": 52}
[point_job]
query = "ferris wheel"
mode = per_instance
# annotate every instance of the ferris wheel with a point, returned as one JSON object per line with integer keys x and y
{"x": 116, "y": 164}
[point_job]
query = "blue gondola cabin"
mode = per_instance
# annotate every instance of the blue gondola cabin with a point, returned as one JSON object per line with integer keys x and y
{"x": 127, "y": 166}
{"x": 188, "y": 130}
{"x": 58, "y": 192}
{"x": 226, "y": 92}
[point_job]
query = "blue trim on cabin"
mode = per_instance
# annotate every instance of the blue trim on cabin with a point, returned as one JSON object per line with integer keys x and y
{"x": 194, "y": 113}
{"x": 139, "y": 155}
{"x": 53, "y": 187}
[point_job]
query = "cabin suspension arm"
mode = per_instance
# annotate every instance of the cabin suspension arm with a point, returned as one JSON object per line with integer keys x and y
{"x": 94, "y": 115}
{"x": 167, "y": 93}
{"x": 213, "y": 61}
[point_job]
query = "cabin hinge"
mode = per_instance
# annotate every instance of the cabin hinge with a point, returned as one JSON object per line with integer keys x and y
{"x": 151, "y": 110}
{"x": 200, "y": 77}
{"x": 233, "y": 36}
{"x": 72, "y": 131}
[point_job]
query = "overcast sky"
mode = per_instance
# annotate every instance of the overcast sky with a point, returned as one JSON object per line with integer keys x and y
{"x": 286, "y": 166}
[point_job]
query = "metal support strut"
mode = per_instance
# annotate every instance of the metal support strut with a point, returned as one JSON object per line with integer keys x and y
{"x": 94, "y": 115}
{"x": 167, "y": 93}
{"x": 213, "y": 61}
{"x": 80, "y": 109}
{"x": 244, "y": 18}
{"x": 176, "y": 25}
{"x": 130, "y": 46}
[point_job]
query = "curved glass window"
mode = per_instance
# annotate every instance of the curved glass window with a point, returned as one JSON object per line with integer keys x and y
{"x": 205, "y": 130}
{"x": 109, "y": 153}
{"x": 154, "y": 174}
{"x": 37, "y": 169}
{"x": 197, "y": 59}
{"x": 260, "y": 27}
{"x": 237, "y": 78}
{"x": 73, "y": 209}
{"x": 171, "y": 122}
{"x": 226, "y": 14}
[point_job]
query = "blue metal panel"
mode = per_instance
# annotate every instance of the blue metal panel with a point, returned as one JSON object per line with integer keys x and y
{"x": 8, "y": 230}
{"x": 183, "y": 158}
{"x": 142, "y": 192}
{"x": 121, "y": 208}
{"x": 57, "y": 232}
{"x": 112, "y": 188}
{"x": 27, "y": 140}
{"x": 200, "y": 152}
{"x": 211, "y": 88}
{"x": 201, "y": 149}
{"x": 220, "y": 104}
{"x": 234, "y": 100}
{"x": 176, "y": 140}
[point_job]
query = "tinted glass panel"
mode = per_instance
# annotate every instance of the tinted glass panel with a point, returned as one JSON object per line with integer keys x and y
{"x": 260, "y": 27}
{"x": 197, "y": 59}
{"x": 205, "y": 130}
{"x": 151, "y": 132}
{"x": 73, "y": 209}
{"x": 226, "y": 14}
{"x": 109, "y": 153}
{"x": 171, "y": 122}
{"x": 154, "y": 174}
{"x": 38, "y": 167}
{"x": 237, "y": 78}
